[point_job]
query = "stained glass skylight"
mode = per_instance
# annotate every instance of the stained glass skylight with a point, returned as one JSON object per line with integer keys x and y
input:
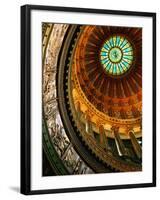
{"x": 116, "y": 55}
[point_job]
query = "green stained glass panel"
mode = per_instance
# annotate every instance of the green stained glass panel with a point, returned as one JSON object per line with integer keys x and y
{"x": 116, "y": 55}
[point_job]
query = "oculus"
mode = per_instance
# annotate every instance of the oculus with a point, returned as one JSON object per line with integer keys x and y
{"x": 116, "y": 55}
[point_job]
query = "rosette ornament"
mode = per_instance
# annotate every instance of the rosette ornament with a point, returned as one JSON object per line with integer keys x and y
{"x": 116, "y": 55}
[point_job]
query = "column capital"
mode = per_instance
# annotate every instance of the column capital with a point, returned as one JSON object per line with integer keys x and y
{"x": 88, "y": 115}
{"x": 101, "y": 127}
{"x": 130, "y": 130}
{"x": 115, "y": 129}
{"x": 78, "y": 105}
{"x": 99, "y": 123}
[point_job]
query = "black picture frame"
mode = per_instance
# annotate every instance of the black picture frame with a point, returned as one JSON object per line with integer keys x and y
{"x": 26, "y": 98}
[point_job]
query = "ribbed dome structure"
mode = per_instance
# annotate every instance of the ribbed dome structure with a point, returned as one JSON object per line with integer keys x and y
{"x": 109, "y": 69}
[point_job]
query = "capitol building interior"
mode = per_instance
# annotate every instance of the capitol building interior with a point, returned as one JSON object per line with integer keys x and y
{"x": 91, "y": 99}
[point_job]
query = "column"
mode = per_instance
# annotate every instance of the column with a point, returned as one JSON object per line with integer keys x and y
{"x": 78, "y": 108}
{"x": 119, "y": 143}
{"x": 136, "y": 146}
{"x": 88, "y": 125}
{"x": 103, "y": 138}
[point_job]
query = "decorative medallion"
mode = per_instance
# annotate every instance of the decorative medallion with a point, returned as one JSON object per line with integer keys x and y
{"x": 116, "y": 55}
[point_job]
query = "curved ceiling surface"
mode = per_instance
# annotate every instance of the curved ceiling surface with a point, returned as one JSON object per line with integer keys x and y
{"x": 109, "y": 69}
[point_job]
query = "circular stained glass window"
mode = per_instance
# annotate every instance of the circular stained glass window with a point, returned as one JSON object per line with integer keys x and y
{"x": 116, "y": 55}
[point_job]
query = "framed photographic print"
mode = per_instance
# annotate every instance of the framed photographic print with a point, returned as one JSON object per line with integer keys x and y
{"x": 88, "y": 99}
